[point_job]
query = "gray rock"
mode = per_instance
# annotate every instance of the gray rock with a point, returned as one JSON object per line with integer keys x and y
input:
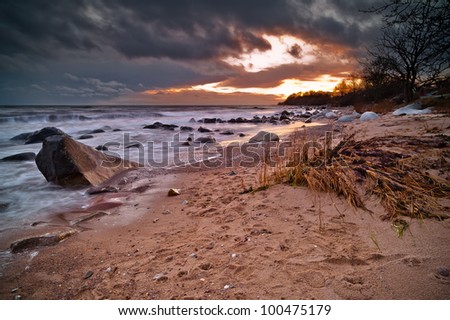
{"x": 24, "y": 156}
{"x": 186, "y": 128}
{"x": 169, "y": 126}
{"x": 48, "y": 239}
{"x": 202, "y": 129}
{"x": 134, "y": 145}
{"x": 192, "y": 120}
{"x": 101, "y": 147}
{"x": 411, "y": 109}
{"x": 443, "y": 271}
{"x": 347, "y": 118}
{"x": 85, "y": 136}
{"x": 155, "y": 125}
{"x": 209, "y": 120}
{"x": 264, "y": 136}
{"x": 331, "y": 115}
{"x": 96, "y": 131}
{"x": 208, "y": 139}
{"x": 40, "y": 135}
{"x": 227, "y": 132}
{"x": 368, "y": 116}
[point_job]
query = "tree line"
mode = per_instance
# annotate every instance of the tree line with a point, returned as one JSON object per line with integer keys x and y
{"x": 411, "y": 54}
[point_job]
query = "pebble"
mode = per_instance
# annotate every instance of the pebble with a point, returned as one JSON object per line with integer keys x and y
{"x": 233, "y": 255}
{"x": 160, "y": 277}
{"x": 227, "y": 286}
{"x": 443, "y": 271}
{"x": 184, "y": 202}
{"x": 193, "y": 255}
{"x": 210, "y": 246}
{"x": 155, "y": 220}
{"x": 88, "y": 274}
{"x": 18, "y": 297}
{"x": 174, "y": 192}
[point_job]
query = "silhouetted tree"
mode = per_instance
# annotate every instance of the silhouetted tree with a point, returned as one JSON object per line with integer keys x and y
{"x": 414, "y": 47}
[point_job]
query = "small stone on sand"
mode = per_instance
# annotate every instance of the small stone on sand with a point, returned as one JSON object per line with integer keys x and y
{"x": 174, "y": 192}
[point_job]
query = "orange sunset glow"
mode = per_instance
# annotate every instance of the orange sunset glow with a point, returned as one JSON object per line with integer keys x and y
{"x": 285, "y": 50}
{"x": 188, "y": 53}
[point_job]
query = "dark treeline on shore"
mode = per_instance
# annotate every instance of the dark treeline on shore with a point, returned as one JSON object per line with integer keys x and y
{"x": 410, "y": 58}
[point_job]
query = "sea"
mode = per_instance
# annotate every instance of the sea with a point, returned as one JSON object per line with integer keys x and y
{"x": 26, "y": 196}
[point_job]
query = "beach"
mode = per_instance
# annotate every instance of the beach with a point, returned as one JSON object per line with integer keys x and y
{"x": 219, "y": 240}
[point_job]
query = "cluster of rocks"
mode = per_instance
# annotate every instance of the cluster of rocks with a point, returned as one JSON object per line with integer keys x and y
{"x": 64, "y": 161}
{"x": 285, "y": 117}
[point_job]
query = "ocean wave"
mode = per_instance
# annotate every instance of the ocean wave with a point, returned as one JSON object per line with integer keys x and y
{"x": 49, "y": 118}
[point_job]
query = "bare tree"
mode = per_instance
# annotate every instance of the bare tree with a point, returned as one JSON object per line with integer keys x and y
{"x": 414, "y": 47}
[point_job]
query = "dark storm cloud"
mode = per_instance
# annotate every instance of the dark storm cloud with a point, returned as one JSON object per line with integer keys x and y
{"x": 182, "y": 30}
{"x": 157, "y": 44}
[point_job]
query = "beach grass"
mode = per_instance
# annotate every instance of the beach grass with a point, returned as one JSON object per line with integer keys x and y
{"x": 357, "y": 170}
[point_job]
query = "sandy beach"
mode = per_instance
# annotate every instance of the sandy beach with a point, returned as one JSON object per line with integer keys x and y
{"x": 215, "y": 242}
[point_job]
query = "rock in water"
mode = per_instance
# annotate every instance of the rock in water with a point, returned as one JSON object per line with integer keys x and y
{"x": 25, "y": 156}
{"x": 40, "y": 135}
{"x": 22, "y": 136}
{"x": 368, "y": 115}
{"x": 208, "y": 139}
{"x": 202, "y": 129}
{"x": 264, "y": 136}
{"x": 48, "y": 239}
{"x": 85, "y": 136}
{"x": 67, "y": 162}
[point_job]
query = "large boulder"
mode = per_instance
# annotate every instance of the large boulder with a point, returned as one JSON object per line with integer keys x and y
{"x": 264, "y": 136}
{"x": 40, "y": 135}
{"x": 67, "y": 162}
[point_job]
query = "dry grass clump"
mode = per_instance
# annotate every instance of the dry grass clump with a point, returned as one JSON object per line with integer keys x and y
{"x": 381, "y": 107}
{"x": 353, "y": 168}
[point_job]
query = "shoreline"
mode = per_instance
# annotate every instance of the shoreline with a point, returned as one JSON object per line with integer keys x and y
{"x": 212, "y": 242}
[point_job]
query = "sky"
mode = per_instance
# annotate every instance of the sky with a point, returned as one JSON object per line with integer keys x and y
{"x": 178, "y": 51}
